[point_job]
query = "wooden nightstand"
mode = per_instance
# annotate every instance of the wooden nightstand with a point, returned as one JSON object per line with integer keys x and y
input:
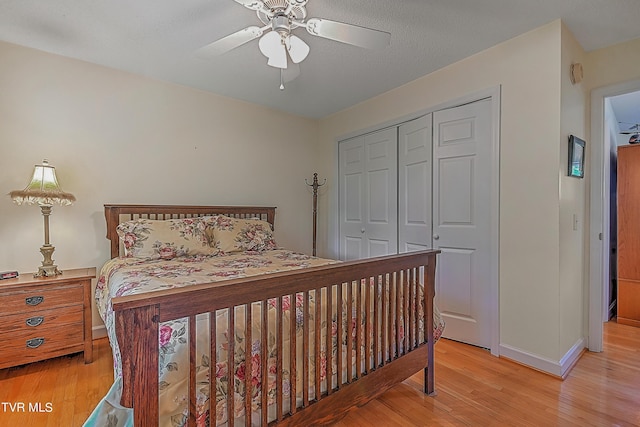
{"x": 45, "y": 317}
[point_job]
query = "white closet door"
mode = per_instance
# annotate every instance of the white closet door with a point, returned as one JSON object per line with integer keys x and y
{"x": 352, "y": 198}
{"x": 368, "y": 195}
{"x": 414, "y": 184}
{"x": 462, "y": 222}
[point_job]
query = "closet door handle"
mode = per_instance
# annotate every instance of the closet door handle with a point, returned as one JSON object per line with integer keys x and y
{"x": 436, "y": 236}
{"x": 362, "y": 230}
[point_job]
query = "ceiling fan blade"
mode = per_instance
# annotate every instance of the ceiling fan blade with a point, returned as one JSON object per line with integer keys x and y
{"x": 633, "y": 129}
{"x": 230, "y": 42}
{"x": 251, "y": 4}
{"x": 298, "y": 49}
{"x": 348, "y": 33}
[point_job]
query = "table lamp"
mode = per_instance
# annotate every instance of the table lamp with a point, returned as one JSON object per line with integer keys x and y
{"x": 44, "y": 191}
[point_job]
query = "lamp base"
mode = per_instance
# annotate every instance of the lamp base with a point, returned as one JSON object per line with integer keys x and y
{"x": 47, "y": 271}
{"x": 47, "y": 268}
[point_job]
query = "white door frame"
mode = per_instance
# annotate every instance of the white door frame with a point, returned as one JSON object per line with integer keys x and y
{"x": 599, "y": 212}
{"x": 333, "y": 244}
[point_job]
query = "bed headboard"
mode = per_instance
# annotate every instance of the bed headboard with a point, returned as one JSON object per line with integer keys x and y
{"x": 115, "y": 214}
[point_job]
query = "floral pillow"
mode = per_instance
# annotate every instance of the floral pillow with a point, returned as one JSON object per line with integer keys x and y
{"x": 239, "y": 235}
{"x": 165, "y": 239}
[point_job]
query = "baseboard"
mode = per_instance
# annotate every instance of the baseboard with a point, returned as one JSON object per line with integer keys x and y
{"x": 99, "y": 332}
{"x": 572, "y": 356}
{"x": 628, "y": 322}
{"x": 558, "y": 369}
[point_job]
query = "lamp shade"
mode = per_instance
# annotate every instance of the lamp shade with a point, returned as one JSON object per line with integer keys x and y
{"x": 298, "y": 50}
{"x": 272, "y": 47}
{"x": 43, "y": 189}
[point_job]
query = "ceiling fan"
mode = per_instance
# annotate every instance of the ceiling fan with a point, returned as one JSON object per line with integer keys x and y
{"x": 634, "y": 131}
{"x": 278, "y": 44}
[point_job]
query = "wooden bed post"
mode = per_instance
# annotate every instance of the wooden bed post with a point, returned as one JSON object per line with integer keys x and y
{"x": 139, "y": 386}
{"x": 429, "y": 286}
{"x": 112, "y": 215}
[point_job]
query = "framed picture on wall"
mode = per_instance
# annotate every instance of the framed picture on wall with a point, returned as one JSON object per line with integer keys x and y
{"x": 576, "y": 157}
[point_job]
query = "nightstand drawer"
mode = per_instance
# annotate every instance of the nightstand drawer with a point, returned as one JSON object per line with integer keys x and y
{"x": 30, "y": 346}
{"x": 40, "y": 298}
{"x": 37, "y": 320}
{"x": 45, "y": 317}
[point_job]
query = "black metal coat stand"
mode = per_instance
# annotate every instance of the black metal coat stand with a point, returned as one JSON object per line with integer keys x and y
{"x": 315, "y": 187}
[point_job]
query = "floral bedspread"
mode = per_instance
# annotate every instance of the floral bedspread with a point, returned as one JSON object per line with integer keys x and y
{"x": 128, "y": 276}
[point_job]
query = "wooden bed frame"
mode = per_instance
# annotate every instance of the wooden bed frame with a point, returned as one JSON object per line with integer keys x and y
{"x": 394, "y": 358}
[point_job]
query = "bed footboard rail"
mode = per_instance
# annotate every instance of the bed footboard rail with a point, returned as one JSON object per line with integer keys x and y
{"x": 331, "y": 338}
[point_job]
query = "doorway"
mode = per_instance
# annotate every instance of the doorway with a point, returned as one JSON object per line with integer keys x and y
{"x": 600, "y": 235}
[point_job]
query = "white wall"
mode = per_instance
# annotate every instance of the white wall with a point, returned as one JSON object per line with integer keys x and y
{"x": 613, "y": 65}
{"x": 573, "y": 287}
{"x": 119, "y": 138}
{"x": 527, "y": 68}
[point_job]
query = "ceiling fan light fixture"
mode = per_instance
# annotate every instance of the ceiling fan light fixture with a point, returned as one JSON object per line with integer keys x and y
{"x": 298, "y": 49}
{"x": 279, "y": 60}
{"x": 270, "y": 44}
{"x": 634, "y": 131}
{"x": 273, "y": 48}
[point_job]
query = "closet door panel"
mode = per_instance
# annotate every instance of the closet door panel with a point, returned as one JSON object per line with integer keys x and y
{"x": 368, "y": 195}
{"x": 352, "y": 248}
{"x": 414, "y": 184}
{"x": 352, "y": 198}
{"x": 381, "y": 192}
{"x": 461, "y": 220}
{"x": 457, "y": 177}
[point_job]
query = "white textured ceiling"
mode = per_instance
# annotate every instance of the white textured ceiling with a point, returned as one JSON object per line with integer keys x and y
{"x": 157, "y": 38}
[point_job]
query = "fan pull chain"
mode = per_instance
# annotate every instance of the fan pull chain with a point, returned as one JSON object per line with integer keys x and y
{"x": 281, "y": 80}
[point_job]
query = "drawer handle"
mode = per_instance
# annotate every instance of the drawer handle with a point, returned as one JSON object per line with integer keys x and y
{"x": 35, "y": 342}
{"x": 34, "y": 300}
{"x": 35, "y": 321}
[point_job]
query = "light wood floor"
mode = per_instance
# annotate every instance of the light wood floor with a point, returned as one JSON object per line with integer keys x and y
{"x": 72, "y": 388}
{"x": 474, "y": 389}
